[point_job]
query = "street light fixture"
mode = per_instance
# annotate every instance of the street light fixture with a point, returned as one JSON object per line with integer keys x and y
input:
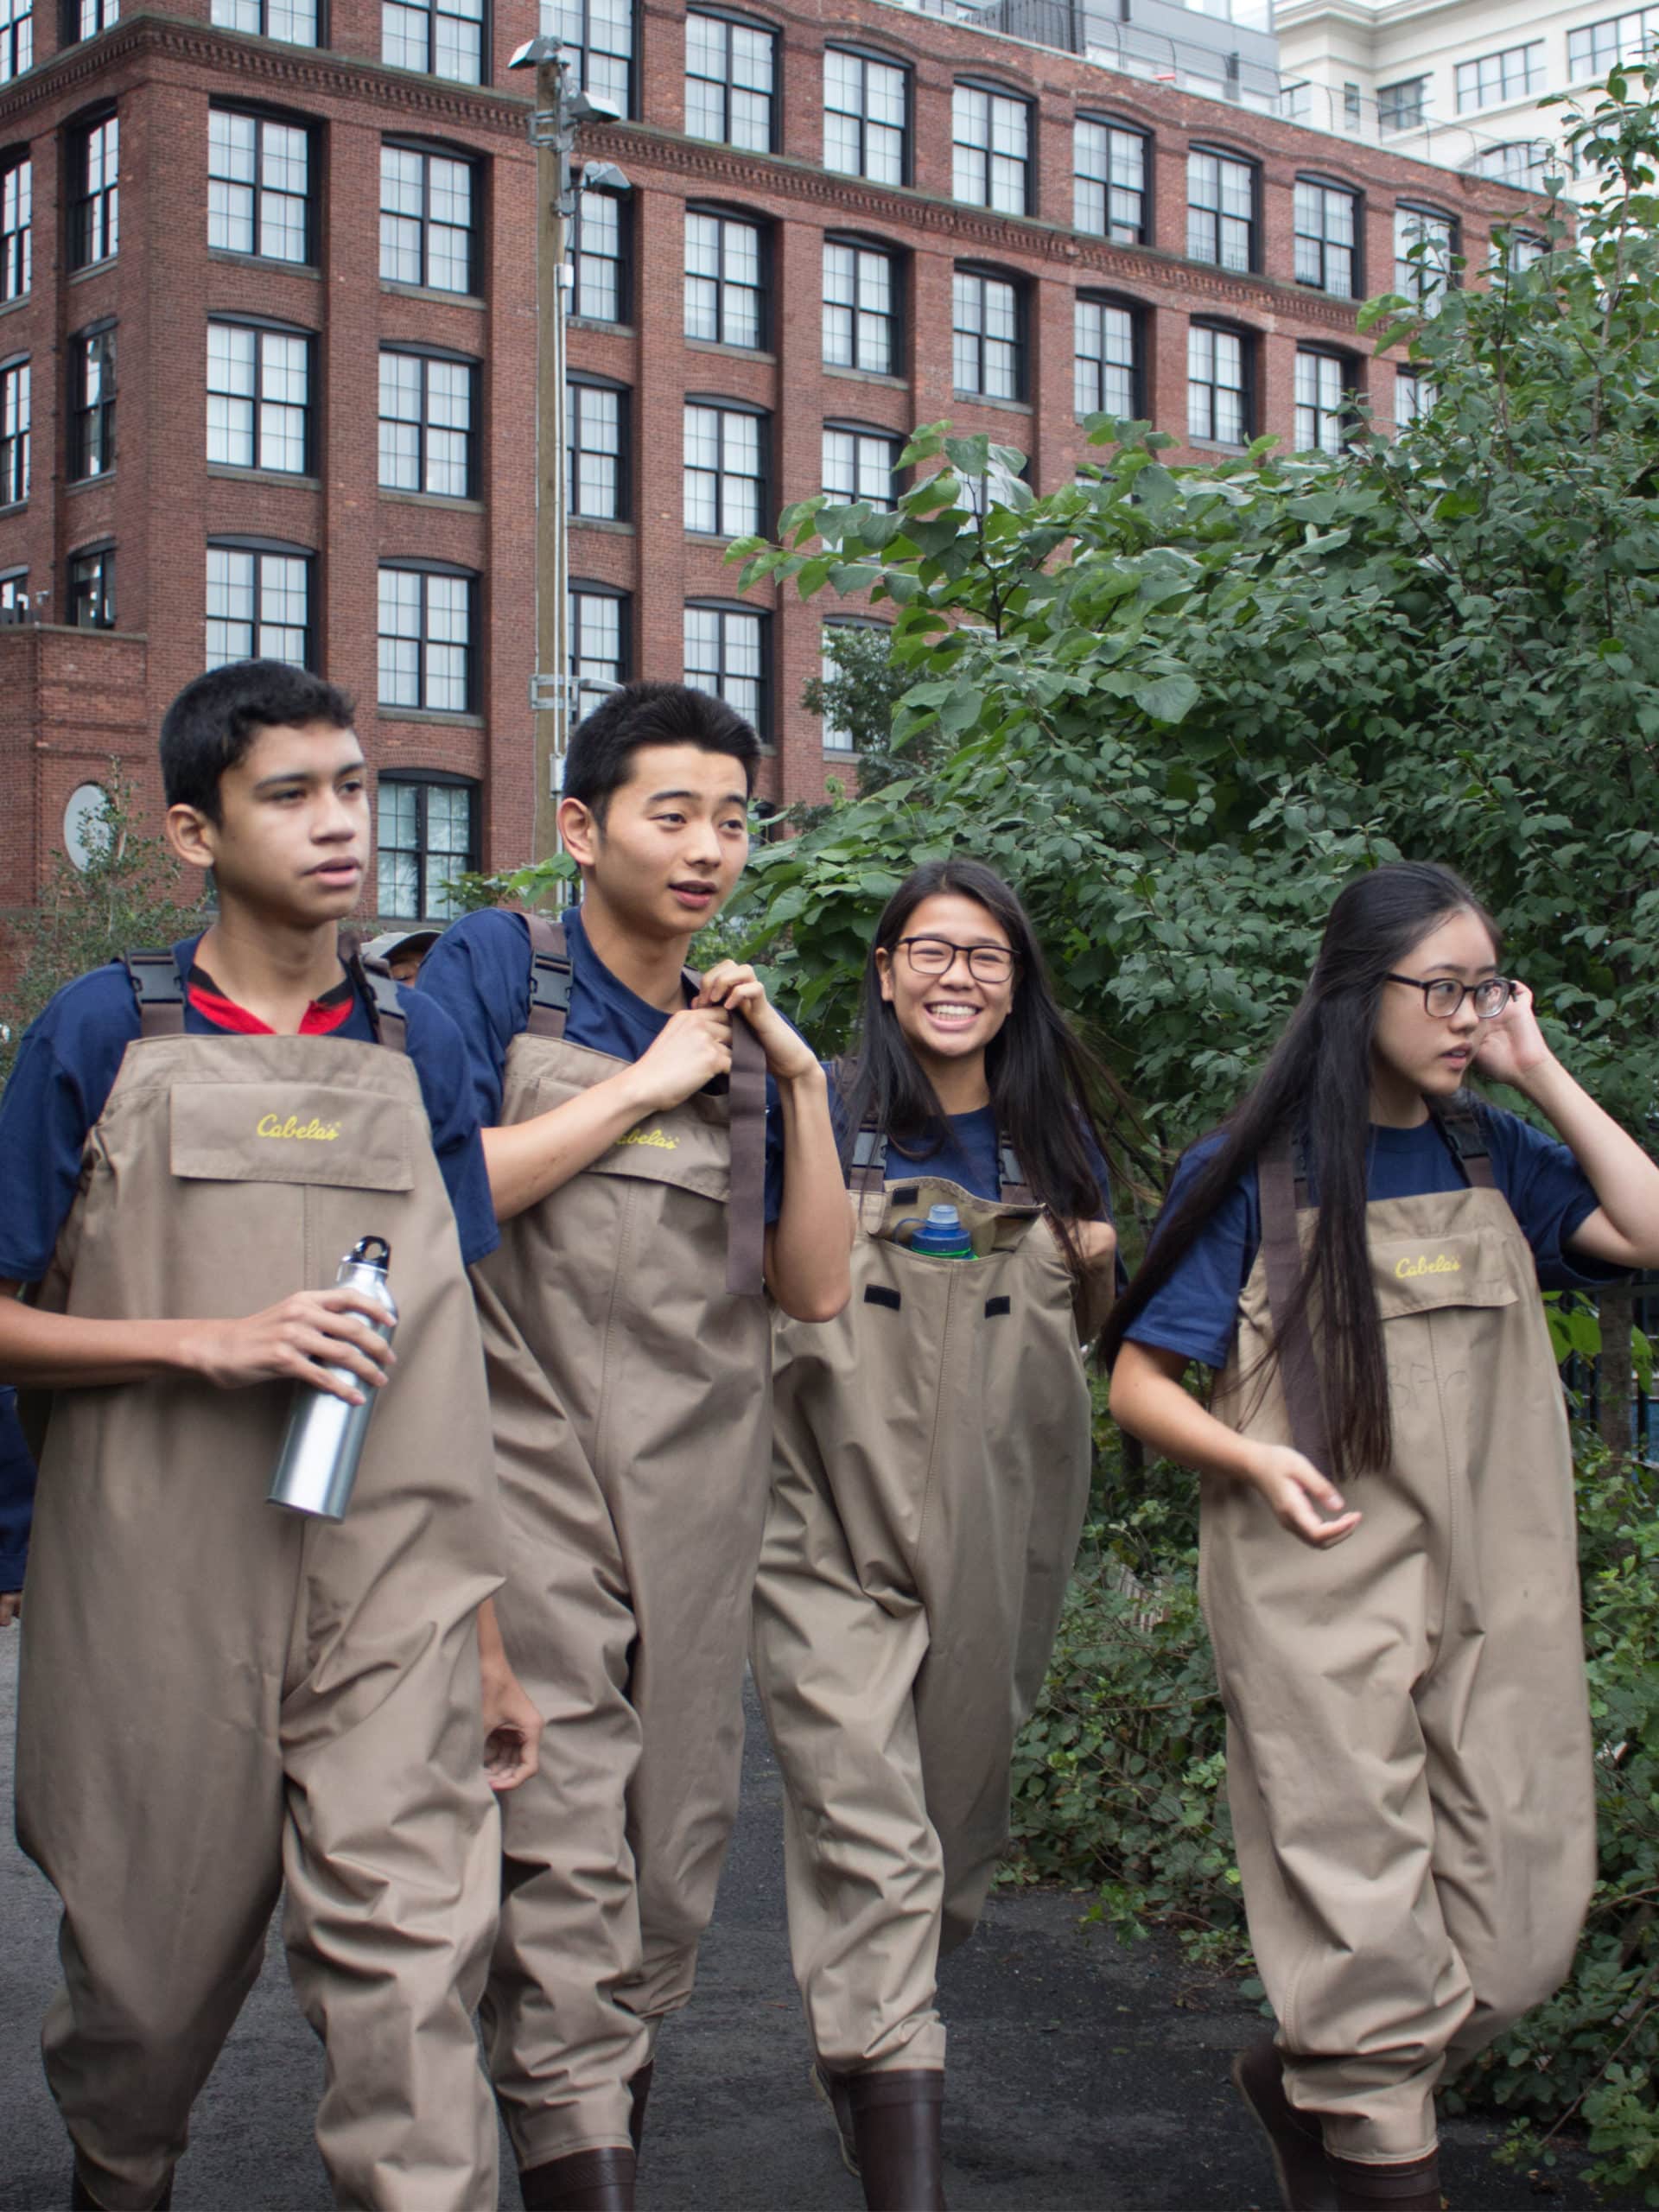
{"x": 558, "y": 110}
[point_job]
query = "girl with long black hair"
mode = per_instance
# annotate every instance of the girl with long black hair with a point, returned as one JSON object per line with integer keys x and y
{"x": 930, "y": 1464}
{"x": 1358, "y": 1249}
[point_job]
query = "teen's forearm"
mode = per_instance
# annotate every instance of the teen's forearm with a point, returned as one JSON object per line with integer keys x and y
{"x": 1623, "y": 1177}
{"x": 526, "y": 1160}
{"x": 52, "y": 1351}
{"x": 808, "y": 1246}
{"x": 1149, "y": 1400}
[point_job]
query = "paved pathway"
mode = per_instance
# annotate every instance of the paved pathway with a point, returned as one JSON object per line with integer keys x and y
{"x": 1085, "y": 2077}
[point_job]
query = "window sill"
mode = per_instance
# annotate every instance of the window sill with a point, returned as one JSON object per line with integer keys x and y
{"x": 868, "y": 376}
{"x": 716, "y": 537}
{"x": 428, "y": 715}
{"x": 599, "y": 323}
{"x": 431, "y": 292}
{"x": 1202, "y": 261}
{"x": 732, "y": 352}
{"x": 444, "y": 500}
{"x": 836, "y": 756}
{"x": 984, "y": 399}
{"x": 14, "y": 507}
{"x": 11, "y": 307}
{"x": 614, "y": 525}
{"x": 263, "y": 262}
{"x": 229, "y": 469}
{"x": 88, "y": 483}
{"x": 1214, "y": 445}
{"x": 92, "y": 269}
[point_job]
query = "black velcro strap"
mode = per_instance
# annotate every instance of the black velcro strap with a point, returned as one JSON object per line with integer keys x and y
{"x": 1016, "y": 1192}
{"x": 159, "y": 990}
{"x": 379, "y": 988}
{"x": 868, "y": 1170}
{"x": 877, "y": 1294}
{"x": 1462, "y": 1131}
{"x": 994, "y": 1306}
{"x": 1282, "y": 1258}
{"x": 746, "y": 1201}
{"x": 549, "y": 977}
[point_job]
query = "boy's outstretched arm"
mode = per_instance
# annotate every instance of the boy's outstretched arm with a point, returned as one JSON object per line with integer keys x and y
{"x": 809, "y": 1244}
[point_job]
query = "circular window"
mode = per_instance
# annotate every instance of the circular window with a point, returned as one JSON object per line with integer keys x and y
{"x": 85, "y": 815}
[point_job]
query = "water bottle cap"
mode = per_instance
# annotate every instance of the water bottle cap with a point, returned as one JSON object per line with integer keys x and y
{"x": 369, "y": 1252}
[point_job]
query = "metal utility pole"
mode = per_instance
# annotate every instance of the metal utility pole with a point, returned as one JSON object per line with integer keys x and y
{"x": 553, "y": 122}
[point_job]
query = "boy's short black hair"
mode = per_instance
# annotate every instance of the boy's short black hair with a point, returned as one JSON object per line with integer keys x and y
{"x": 603, "y": 744}
{"x": 214, "y": 721}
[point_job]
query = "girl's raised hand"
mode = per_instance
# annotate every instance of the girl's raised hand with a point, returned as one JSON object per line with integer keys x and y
{"x": 1509, "y": 1049}
{"x": 1302, "y": 1499}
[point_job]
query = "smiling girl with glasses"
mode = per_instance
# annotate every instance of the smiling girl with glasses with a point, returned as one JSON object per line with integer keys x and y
{"x": 1358, "y": 1250}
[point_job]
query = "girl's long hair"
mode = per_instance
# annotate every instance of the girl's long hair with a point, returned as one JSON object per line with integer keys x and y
{"x": 1040, "y": 1077}
{"x": 1317, "y": 1084}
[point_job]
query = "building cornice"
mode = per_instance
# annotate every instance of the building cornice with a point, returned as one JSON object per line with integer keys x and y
{"x": 974, "y": 233}
{"x": 271, "y": 69}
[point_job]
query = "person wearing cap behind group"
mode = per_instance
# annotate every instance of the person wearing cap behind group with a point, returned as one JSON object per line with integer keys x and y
{"x": 403, "y": 951}
{"x": 931, "y": 1472}
{"x": 629, "y": 1351}
{"x": 220, "y": 1701}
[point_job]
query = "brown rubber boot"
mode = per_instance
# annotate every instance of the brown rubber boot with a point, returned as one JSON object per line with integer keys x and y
{"x": 587, "y": 2181}
{"x": 1293, "y": 2140}
{"x": 1413, "y": 2187}
{"x": 896, "y": 2128}
{"x": 832, "y": 2087}
{"x": 82, "y": 2200}
{"x": 640, "y": 2090}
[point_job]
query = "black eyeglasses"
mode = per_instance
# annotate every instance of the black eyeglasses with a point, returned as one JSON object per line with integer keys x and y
{"x": 1444, "y": 994}
{"x": 937, "y": 956}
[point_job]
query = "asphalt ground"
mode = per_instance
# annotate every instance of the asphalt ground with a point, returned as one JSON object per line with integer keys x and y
{"x": 1084, "y": 2077}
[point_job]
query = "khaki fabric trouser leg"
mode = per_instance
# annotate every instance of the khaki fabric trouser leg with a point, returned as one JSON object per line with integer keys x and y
{"x": 561, "y": 2045}
{"x": 864, "y": 1866}
{"x": 391, "y": 1856}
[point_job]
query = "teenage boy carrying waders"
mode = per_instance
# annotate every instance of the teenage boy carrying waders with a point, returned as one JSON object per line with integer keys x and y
{"x": 220, "y": 1698}
{"x": 628, "y": 1343}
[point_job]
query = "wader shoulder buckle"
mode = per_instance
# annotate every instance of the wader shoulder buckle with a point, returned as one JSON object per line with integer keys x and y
{"x": 159, "y": 990}
{"x": 549, "y": 977}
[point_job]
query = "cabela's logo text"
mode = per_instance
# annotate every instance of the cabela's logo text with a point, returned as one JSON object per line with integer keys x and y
{"x": 1441, "y": 1264}
{"x": 275, "y": 1125}
{"x": 652, "y": 1137}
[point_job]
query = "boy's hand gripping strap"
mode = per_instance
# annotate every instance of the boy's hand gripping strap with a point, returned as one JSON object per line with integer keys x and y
{"x": 159, "y": 990}
{"x": 1281, "y": 1260}
{"x": 745, "y": 1203}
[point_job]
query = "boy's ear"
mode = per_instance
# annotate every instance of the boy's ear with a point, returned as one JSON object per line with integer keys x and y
{"x": 579, "y": 831}
{"x": 192, "y": 836}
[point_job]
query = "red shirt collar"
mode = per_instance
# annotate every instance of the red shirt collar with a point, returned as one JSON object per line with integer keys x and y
{"x": 329, "y": 1012}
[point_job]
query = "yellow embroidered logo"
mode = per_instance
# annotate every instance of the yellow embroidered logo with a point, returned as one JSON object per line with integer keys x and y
{"x": 1441, "y": 1264}
{"x": 272, "y": 1125}
{"x": 652, "y": 1137}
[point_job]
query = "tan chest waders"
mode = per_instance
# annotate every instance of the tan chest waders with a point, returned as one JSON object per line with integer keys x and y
{"x": 931, "y": 1472}
{"x": 220, "y": 1698}
{"x": 627, "y": 1339}
{"x": 1408, "y": 1744}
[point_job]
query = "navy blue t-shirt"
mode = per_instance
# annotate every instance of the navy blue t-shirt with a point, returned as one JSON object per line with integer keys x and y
{"x": 1196, "y": 1312}
{"x": 66, "y": 1066}
{"x": 16, "y": 1493}
{"x": 965, "y": 1154}
{"x": 479, "y": 971}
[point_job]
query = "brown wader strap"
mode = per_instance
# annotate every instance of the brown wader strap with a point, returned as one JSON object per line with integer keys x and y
{"x": 746, "y": 1201}
{"x": 549, "y": 977}
{"x": 159, "y": 990}
{"x": 375, "y": 985}
{"x": 1281, "y": 1260}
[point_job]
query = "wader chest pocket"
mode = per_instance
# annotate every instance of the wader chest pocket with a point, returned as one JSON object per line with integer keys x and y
{"x": 1428, "y": 1275}
{"x": 290, "y": 1133}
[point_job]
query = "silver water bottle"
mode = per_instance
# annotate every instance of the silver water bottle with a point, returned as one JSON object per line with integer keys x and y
{"x": 317, "y": 1464}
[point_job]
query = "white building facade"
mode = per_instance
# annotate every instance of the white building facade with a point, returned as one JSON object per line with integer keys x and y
{"x": 1456, "y": 82}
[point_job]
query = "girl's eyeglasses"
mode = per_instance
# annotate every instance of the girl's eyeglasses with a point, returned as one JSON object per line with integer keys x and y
{"x": 937, "y": 956}
{"x": 1444, "y": 994}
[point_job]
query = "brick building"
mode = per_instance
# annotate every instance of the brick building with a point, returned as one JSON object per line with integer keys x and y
{"x": 267, "y": 348}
